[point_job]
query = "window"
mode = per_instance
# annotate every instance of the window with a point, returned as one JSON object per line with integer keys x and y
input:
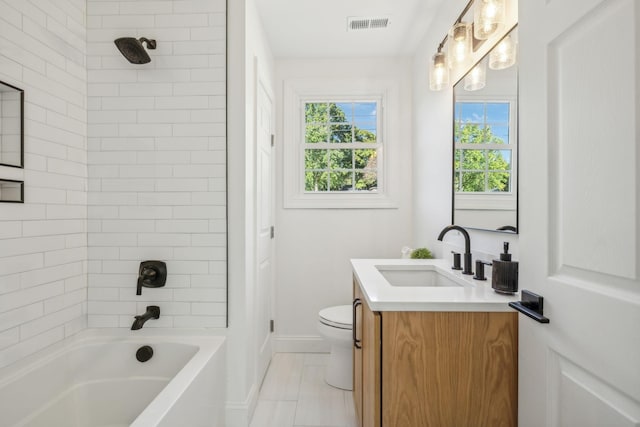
{"x": 341, "y": 146}
{"x": 341, "y": 137}
{"x": 484, "y": 147}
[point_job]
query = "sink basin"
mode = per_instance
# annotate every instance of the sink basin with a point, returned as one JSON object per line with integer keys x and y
{"x": 414, "y": 276}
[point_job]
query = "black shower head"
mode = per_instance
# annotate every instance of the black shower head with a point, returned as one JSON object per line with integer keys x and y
{"x": 133, "y": 50}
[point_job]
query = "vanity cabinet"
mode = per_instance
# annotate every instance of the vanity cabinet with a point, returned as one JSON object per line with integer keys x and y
{"x": 366, "y": 361}
{"x": 430, "y": 368}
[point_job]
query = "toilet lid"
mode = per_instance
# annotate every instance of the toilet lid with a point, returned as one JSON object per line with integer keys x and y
{"x": 340, "y": 316}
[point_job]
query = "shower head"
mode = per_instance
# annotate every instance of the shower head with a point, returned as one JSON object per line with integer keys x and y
{"x": 133, "y": 50}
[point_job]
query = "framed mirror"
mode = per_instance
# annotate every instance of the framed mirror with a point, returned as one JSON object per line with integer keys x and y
{"x": 485, "y": 142}
{"x": 11, "y": 126}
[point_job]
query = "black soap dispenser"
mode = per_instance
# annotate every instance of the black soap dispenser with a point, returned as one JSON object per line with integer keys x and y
{"x": 504, "y": 277}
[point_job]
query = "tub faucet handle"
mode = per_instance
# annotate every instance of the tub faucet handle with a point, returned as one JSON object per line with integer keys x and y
{"x": 152, "y": 274}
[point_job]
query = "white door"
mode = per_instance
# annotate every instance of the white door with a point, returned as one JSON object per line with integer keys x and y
{"x": 264, "y": 221}
{"x": 580, "y": 197}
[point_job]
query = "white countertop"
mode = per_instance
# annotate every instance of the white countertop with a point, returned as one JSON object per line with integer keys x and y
{"x": 473, "y": 295}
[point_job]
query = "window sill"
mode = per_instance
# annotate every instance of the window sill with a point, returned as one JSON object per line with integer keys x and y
{"x": 339, "y": 201}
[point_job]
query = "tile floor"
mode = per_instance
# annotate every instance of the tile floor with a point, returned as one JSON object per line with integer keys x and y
{"x": 294, "y": 394}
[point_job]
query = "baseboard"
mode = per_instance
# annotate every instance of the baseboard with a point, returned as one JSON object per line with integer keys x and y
{"x": 238, "y": 414}
{"x": 301, "y": 344}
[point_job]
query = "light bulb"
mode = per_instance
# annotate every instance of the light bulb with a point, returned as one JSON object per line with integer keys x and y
{"x": 438, "y": 72}
{"x": 459, "y": 44}
{"x": 476, "y": 79}
{"x": 488, "y": 17}
{"x": 503, "y": 55}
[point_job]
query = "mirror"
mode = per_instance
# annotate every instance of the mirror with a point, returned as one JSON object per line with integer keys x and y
{"x": 485, "y": 142}
{"x": 11, "y": 125}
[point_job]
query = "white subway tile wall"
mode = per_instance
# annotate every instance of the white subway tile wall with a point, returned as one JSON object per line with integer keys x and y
{"x": 43, "y": 251}
{"x": 157, "y": 162}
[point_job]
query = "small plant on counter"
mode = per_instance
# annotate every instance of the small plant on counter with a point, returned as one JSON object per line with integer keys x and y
{"x": 421, "y": 253}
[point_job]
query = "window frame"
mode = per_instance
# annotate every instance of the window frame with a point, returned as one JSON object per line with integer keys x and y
{"x": 299, "y": 92}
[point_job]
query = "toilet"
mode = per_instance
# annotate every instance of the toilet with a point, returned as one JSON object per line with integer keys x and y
{"x": 335, "y": 324}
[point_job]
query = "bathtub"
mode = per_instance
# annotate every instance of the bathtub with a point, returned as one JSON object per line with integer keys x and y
{"x": 94, "y": 379}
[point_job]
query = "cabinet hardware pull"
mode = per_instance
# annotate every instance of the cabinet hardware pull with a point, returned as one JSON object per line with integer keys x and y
{"x": 356, "y": 341}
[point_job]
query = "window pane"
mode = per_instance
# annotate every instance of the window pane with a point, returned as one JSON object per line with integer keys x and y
{"x": 474, "y": 160}
{"x": 457, "y": 157}
{"x": 316, "y": 181}
{"x": 341, "y": 159}
{"x": 340, "y": 134}
{"x": 499, "y": 181}
{"x": 316, "y": 113}
{"x": 471, "y": 133}
{"x": 500, "y": 134}
{"x": 367, "y": 181}
{"x": 457, "y": 133}
{"x": 341, "y": 112}
{"x": 365, "y": 131}
{"x": 364, "y": 110}
{"x": 498, "y": 112}
{"x": 316, "y": 133}
{"x": 456, "y": 181}
{"x": 472, "y": 182}
{"x": 315, "y": 159}
{"x": 366, "y": 159}
{"x": 499, "y": 160}
{"x": 485, "y": 136}
{"x": 340, "y": 181}
{"x": 472, "y": 112}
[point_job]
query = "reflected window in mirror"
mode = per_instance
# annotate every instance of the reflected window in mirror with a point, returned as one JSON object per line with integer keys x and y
{"x": 485, "y": 147}
{"x": 11, "y": 125}
{"x": 483, "y": 151}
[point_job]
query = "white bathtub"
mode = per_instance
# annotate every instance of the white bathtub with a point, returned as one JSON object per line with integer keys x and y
{"x": 94, "y": 379}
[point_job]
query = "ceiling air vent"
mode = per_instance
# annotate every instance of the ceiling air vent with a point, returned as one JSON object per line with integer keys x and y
{"x": 359, "y": 23}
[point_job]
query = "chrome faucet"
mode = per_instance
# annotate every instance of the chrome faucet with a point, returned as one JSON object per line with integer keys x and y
{"x": 153, "y": 312}
{"x": 467, "y": 245}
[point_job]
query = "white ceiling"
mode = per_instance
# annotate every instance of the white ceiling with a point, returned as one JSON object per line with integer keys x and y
{"x": 318, "y": 28}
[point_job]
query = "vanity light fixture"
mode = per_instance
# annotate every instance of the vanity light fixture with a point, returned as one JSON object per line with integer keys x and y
{"x": 438, "y": 71}
{"x": 476, "y": 79}
{"x": 460, "y": 41}
{"x": 464, "y": 38}
{"x": 488, "y": 17}
{"x": 504, "y": 54}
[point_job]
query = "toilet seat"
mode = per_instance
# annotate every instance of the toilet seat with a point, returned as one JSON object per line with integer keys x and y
{"x": 340, "y": 317}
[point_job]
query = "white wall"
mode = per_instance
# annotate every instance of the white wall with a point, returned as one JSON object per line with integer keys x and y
{"x": 43, "y": 245}
{"x": 433, "y": 115}
{"x": 247, "y": 46}
{"x": 157, "y": 172}
{"x": 314, "y": 245}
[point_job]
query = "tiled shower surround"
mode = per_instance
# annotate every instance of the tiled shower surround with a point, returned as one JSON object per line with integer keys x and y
{"x": 43, "y": 242}
{"x": 156, "y": 139}
{"x": 123, "y": 163}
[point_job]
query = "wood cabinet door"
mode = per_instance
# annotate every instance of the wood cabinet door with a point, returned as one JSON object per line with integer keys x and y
{"x": 371, "y": 369}
{"x": 357, "y": 351}
{"x": 450, "y": 369}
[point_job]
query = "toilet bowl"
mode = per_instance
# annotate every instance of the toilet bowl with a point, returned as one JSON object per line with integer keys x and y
{"x": 335, "y": 324}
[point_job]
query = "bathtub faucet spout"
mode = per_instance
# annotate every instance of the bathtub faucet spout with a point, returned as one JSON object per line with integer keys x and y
{"x": 153, "y": 312}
